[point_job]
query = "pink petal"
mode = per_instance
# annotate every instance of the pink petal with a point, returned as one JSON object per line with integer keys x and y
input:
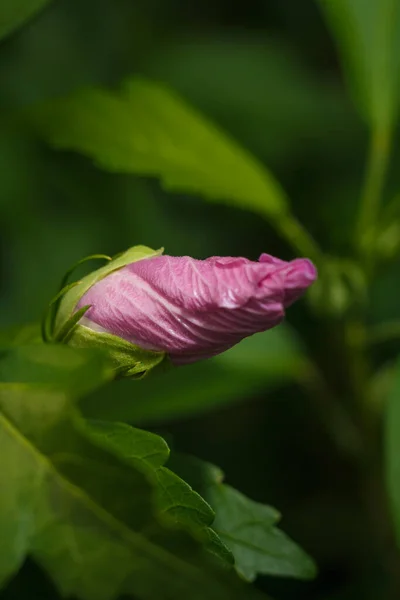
{"x": 194, "y": 309}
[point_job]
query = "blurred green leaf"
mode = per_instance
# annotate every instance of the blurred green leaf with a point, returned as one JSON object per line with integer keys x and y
{"x": 52, "y": 367}
{"x": 83, "y": 515}
{"x": 259, "y": 362}
{"x": 392, "y": 447}
{"x": 258, "y": 77}
{"x": 14, "y": 13}
{"x": 368, "y": 34}
{"x": 247, "y": 527}
{"x": 21, "y": 335}
{"x": 149, "y": 130}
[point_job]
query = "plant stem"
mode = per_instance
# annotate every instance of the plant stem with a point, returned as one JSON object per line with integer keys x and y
{"x": 337, "y": 420}
{"x": 298, "y": 237}
{"x": 370, "y": 468}
{"x": 377, "y": 164}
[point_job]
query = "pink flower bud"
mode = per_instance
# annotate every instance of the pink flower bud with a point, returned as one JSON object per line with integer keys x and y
{"x": 193, "y": 309}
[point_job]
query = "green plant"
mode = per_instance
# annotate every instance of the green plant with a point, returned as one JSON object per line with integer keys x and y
{"x": 97, "y": 502}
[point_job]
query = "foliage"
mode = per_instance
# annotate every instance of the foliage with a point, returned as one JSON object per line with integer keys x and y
{"x": 61, "y": 476}
{"x": 146, "y": 129}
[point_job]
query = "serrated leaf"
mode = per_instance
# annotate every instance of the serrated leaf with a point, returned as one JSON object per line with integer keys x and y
{"x": 133, "y": 445}
{"x": 149, "y": 130}
{"x": 82, "y": 514}
{"x": 368, "y": 34}
{"x": 174, "y": 497}
{"x": 248, "y": 528}
{"x": 14, "y": 13}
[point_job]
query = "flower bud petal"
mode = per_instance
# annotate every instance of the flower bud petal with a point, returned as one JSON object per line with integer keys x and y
{"x": 193, "y": 309}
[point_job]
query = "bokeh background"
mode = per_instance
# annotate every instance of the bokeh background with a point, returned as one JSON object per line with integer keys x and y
{"x": 267, "y": 72}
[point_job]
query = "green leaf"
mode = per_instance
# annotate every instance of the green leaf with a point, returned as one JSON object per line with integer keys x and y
{"x": 245, "y": 527}
{"x": 262, "y": 361}
{"x": 174, "y": 497}
{"x": 50, "y": 367}
{"x": 86, "y": 517}
{"x": 257, "y": 81}
{"x": 14, "y": 13}
{"x": 147, "y": 129}
{"x": 133, "y": 445}
{"x": 368, "y": 34}
{"x": 248, "y": 528}
{"x": 392, "y": 449}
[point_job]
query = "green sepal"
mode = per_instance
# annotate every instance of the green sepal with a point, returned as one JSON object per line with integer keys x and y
{"x": 64, "y": 287}
{"x": 49, "y": 318}
{"x": 128, "y": 360}
{"x": 65, "y": 332}
{"x": 71, "y": 298}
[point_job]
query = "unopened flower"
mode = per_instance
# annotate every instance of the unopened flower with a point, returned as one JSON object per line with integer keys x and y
{"x": 185, "y": 308}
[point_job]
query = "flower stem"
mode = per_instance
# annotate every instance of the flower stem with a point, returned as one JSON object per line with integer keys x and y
{"x": 372, "y": 486}
{"x": 298, "y": 237}
{"x": 371, "y": 197}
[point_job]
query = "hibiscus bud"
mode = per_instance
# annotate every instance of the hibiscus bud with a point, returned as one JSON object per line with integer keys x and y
{"x": 185, "y": 308}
